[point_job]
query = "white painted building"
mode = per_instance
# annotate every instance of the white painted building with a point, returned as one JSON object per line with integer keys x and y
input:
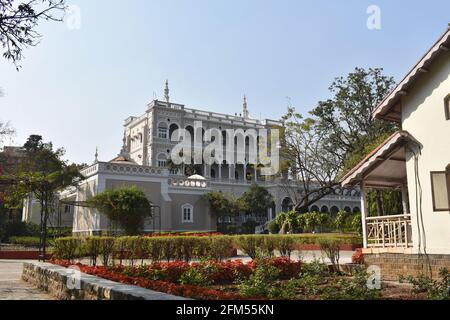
{"x": 415, "y": 160}
{"x": 144, "y": 162}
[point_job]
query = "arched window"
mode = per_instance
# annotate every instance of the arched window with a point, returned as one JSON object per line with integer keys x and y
{"x": 162, "y": 160}
{"x": 348, "y": 209}
{"x": 287, "y": 205}
{"x": 314, "y": 209}
{"x": 162, "y": 130}
{"x": 324, "y": 209}
{"x": 356, "y": 210}
{"x": 173, "y": 127}
{"x": 187, "y": 213}
{"x": 334, "y": 211}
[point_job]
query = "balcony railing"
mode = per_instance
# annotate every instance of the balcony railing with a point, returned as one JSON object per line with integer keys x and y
{"x": 389, "y": 231}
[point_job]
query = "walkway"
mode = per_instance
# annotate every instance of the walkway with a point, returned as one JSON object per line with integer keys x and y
{"x": 12, "y": 287}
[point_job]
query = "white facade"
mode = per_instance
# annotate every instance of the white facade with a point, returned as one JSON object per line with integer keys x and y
{"x": 413, "y": 160}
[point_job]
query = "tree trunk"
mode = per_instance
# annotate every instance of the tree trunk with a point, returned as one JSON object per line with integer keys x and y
{"x": 379, "y": 200}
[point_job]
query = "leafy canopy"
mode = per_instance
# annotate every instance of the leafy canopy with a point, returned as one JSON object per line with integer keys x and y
{"x": 19, "y": 21}
{"x": 127, "y": 207}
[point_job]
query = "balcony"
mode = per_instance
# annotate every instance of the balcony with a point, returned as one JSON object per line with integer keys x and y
{"x": 389, "y": 231}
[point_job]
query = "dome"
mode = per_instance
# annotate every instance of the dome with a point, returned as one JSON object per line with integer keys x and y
{"x": 196, "y": 177}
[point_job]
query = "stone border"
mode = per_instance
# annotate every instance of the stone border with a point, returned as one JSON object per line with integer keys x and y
{"x": 56, "y": 281}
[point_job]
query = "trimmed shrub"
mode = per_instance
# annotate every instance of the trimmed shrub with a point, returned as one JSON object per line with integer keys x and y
{"x": 28, "y": 242}
{"x": 274, "y": 227}
{"x": 68, "y": 248}
{"x": 106, "y": 249}
{"x": 285, "y": 245}
{"x": 186, "y": 248}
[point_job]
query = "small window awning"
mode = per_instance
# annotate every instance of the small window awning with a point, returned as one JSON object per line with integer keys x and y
{"x": 384, "y": 167}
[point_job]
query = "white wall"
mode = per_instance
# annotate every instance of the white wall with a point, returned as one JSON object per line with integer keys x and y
{"x": 423, "y": 116}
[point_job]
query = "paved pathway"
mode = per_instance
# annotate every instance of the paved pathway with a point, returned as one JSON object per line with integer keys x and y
{"x": 12, "y": 287}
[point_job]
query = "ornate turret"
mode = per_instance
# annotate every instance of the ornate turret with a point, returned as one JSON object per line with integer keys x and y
{"x": 166, "y": 92}
{"x": 245, "y": 112}
{"x": 96, "y": 155}
{"x": 124, "y": 151}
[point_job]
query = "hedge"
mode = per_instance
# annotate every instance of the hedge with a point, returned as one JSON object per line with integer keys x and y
{"x": 186, "y": 248}
{"x": 29, "y": 242}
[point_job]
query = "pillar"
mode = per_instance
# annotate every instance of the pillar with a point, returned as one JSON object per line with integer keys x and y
{"x": 364, "y": 213}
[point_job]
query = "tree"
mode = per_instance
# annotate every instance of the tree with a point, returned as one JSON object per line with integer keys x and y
{"x": 126, "y": 207}
{"x": 312, "y": 170}
{"x": 346, "y": 120}
{"x": 19, "y": 22}
{"x": 320, "y": 148}
{"x": 256, "y": 200}
{"x": 41, "y": 175}
{"x": 223, "y": 205}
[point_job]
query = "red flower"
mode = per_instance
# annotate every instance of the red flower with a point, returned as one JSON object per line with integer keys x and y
{"x": 358, "y": 257}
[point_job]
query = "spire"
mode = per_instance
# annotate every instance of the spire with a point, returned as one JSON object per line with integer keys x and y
{"x": 166, "y": 92}
{"x": 245, "y": 109}
{"x": 96, "y": 155}
{"x": 124, "y": 151}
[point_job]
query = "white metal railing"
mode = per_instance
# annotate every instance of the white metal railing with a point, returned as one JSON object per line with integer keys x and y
{"x": 389, "y": 231}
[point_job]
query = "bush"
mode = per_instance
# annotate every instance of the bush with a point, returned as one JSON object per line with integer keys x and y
{"x": 194, "y": 277}
{"x": 248, "y": 227}
{"x": 434, "y": 289}
{"x": 285, "y": 245}
{"x": 29, "y": 242}
{"x": 220, "y": 248}
{"x": 358, "y": 257}
{"x": 126, "y": 207}
{"x": 68, "y": 248}
{"x": 18, "y": 229}
{"x": 106, "y": 249}
{"x": 186, "y": 248}
{"x": 313, "y": 221}
{"x": 250, "y": 244}
{"x": 274, "y": 227}
{"x": 331, "y": 248}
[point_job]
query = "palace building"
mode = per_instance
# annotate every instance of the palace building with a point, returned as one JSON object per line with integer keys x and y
{"x": 177, "y": 191}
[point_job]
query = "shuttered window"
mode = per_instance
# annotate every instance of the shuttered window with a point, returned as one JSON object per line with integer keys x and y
{"x": 440, "y": 192}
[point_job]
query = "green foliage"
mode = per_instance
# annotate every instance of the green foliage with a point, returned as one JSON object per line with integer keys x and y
{"x": 391, "y": 201}
{"x": 248, "y": 227}
{"x": 249, "y": 244}
{"x": 17, "y": 229}
{"x": 356, "y": 223}
{"x": 260, "y": 283}
{"x": 126, "y": 207}
{"x": 365, "y": 146}
{"x": 68, "y": 248}
{"x": 288, "y": 222}
{"x": 331, "y": 248}
{"x": 354, "y": 288}
{"x": 285, "y": 245}
{"x": 256, "y": 200}
{"x": 434, "y": 289}
{"x": 185, "y": 248}
{"x": 223, "y": 205}
{"x": 194, "y": 277}
{"x": 29, "y": 242}
{"x": 312, "y": 221}
{"x": 41, "y": 174}
{"x": 273, "y": 227}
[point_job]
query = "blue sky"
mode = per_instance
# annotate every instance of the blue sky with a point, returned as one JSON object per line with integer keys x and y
{"x": 78, "y": 86}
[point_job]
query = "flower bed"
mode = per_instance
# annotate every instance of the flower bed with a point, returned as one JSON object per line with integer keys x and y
{"x": 168, "y": 277}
